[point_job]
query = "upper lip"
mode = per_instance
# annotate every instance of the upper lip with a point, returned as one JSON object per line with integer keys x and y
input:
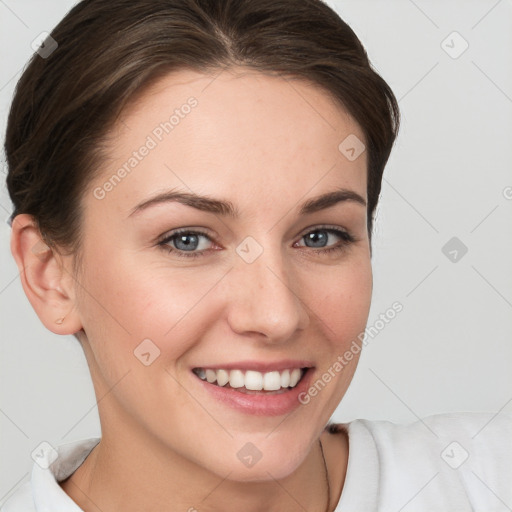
{"x": 259, "y": 366}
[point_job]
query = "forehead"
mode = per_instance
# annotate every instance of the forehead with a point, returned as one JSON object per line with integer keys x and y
{"x": 234, "y": 130}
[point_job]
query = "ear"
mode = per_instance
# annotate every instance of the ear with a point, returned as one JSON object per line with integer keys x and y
{"x": 49, "y": 286}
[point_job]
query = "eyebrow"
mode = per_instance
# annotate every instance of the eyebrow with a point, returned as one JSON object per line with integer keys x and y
{"x": 226, "y": 208}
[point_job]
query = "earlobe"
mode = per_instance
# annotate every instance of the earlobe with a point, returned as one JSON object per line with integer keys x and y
{"x": 45, "y": 280}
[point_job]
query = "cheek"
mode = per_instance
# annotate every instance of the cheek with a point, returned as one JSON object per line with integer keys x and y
{"x": 343, "y": 312}
{"x": 126, "y": 301}
{"x": 341, "y": 298}
{"x": 130, "y": 299}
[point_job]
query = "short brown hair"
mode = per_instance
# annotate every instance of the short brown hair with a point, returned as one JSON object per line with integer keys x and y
{"x": 110, "y": 50}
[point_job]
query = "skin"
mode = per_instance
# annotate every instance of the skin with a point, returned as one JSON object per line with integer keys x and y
{"x": 265, "y": 144}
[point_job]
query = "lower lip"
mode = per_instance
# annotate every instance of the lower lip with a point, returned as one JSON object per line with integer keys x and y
{"x": 259, "y": 404}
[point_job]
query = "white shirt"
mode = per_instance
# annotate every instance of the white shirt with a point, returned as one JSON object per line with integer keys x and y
{"x": 447, "y": 462}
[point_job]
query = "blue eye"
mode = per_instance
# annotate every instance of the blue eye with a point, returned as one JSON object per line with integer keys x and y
{"x": 188, "y": 243}
{"x": 185, "y": 243}
{"x": 319, "y": 238}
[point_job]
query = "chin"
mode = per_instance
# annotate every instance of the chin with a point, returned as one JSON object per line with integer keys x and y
{"x": 263, "y": 472}
{"x": 270, "y": 461}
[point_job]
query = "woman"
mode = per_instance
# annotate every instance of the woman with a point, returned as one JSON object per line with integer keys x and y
{"x": 194, "y": 184}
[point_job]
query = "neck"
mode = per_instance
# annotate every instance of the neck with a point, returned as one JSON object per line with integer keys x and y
{"x": 132, "y": 470}
{"x": 115, "y": 477}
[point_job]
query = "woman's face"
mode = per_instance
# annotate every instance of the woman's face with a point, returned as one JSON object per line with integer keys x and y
{"x": 261, "y": 285}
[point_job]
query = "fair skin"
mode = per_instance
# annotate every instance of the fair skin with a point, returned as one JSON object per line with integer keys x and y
{"x": 265, "y": 145}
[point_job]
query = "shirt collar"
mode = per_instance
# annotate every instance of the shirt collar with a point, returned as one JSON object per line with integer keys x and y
{"x": 54, "y": 465}
{"x": 362, "y": 479}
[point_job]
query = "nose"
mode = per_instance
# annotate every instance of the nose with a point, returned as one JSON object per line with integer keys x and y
{"x": 264, "y": 300}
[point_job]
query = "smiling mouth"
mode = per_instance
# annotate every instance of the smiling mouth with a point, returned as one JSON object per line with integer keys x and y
{"x": 252, "y": 382}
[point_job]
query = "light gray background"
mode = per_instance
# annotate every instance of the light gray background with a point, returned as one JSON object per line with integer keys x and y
{"x": 450, "y": 348}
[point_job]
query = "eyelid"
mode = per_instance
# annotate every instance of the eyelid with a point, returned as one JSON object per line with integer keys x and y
{"x": 206, "y": 232}
{"x": 173, "y": 232}
{"x": 319, "y": 227}
{"x": 346, "y": 239}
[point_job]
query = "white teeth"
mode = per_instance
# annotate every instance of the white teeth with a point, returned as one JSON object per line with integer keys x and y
{"x": 285, "y": 378}
{"x": 294, "y": 377}
{"x": 222, "y": 377}
{"x": 252, "y": 380}
{"x": 272, "y": 381}
{"x": 236, "y": 379}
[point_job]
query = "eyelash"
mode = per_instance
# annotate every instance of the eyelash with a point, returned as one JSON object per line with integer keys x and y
{"x": 346, "y": 239}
